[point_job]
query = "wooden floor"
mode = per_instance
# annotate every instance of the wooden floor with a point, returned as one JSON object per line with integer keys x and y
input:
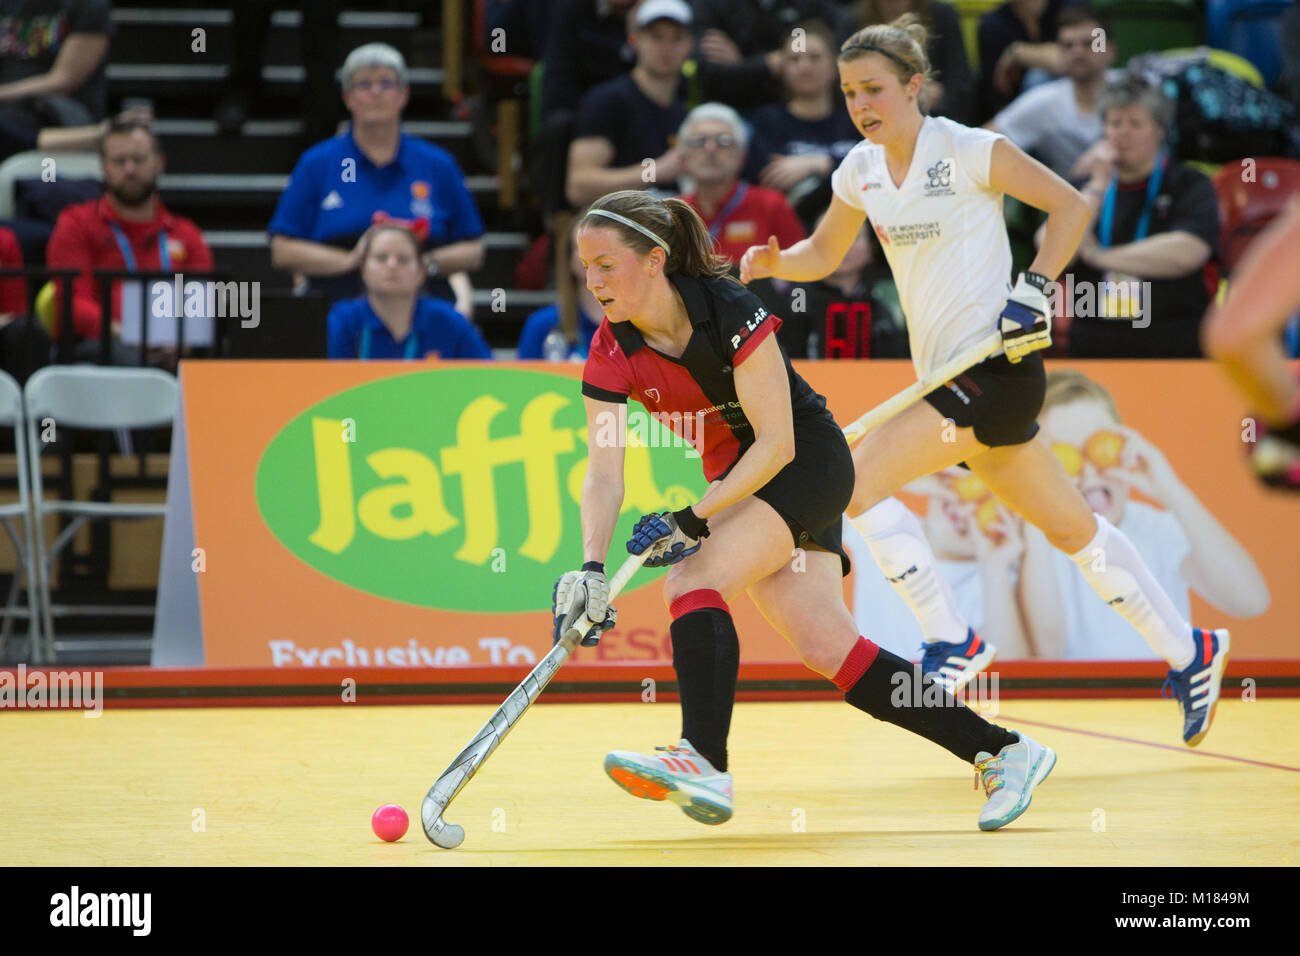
{"x": 816, "y": 784}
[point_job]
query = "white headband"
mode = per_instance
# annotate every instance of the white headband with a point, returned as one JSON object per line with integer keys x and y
{"x": 635, "y": 225}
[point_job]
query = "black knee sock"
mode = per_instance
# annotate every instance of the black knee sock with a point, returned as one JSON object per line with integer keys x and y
{"x": 706, "y": 656}
{"x": 933, "y": 713}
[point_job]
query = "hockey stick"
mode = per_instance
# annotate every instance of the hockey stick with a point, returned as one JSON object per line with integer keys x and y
{"x": 982, "y": 350}
{"x": 450, "y": 835}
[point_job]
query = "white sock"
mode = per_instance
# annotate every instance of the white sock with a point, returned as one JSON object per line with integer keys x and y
{"x": 1113, "y": 567}
{"x": 899, "y": 546}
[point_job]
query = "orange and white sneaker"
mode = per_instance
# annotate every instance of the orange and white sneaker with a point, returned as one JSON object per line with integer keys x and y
{"x": 677, "y": 774}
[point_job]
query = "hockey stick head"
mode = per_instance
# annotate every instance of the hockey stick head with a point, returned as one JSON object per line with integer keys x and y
{"x": 439, "y": 831}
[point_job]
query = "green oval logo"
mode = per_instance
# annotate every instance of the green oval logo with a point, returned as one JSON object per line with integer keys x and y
{"x": 459, "y": 489}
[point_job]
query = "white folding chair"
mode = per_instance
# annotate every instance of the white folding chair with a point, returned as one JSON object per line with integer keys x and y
{"x": 99, "y": 399}
{"x": 34, "y": 163}
{"x": 11, "y": 416}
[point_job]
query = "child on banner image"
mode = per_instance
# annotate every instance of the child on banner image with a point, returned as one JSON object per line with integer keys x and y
{"x": 933, "y": 189}
{"x": 679, "y": 335}
{"x": 392, "y": 320}
{"x": 1181, "y": 542}
{"x": 978, "y": 545}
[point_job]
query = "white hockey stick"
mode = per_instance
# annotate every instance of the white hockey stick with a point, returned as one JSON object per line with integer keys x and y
{"x": 450, "y": 835}
{"x": 985, "y": 348}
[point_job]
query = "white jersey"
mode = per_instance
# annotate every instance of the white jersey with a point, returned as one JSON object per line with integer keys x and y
{"x": 942, "y": 232}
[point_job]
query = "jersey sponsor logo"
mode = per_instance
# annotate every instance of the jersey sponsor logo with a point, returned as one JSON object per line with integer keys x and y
{"x": 332, "y": 201}
{"x": 872, "y": 185}
{"x": 653, "y": 393}
{"x": 750, "y": 326}
{"x": 419, "y": 189}
{"x": 909, "y": 234}
{"x": 939, "y": 179}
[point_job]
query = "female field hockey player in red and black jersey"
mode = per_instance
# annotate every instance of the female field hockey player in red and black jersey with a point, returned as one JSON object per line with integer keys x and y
{"x": 682, "y": 337}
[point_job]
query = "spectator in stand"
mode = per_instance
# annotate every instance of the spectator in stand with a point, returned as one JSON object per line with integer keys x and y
{"x": 318, "y": 33}
{"x": 805, "y": 137}
{"x": 840, "y": 310}
{"x": 544, "y": 335}
{"x": 1155, "y": 220}
{"x": 527, "y": 26}
{"x": 713, "y": 140}
{"x": 1058, "y": 121}
{"x": 587, "y": 44}
{"x": 13, "y": 295}
{"x": 392, "y": 320}
{"x": 127, "y": 228}
{"x": 319, "y": 227}
{"x": 1016, "y": 52}
{"x": 742, "y": 44}
{"x": 53, "y": 55}
{"x": 949, "y": 93}
{"x": 634, "y": 117}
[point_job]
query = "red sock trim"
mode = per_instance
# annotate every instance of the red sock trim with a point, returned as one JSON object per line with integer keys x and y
{"x": 862, "y": 656}
{"x": 697, "y": 600}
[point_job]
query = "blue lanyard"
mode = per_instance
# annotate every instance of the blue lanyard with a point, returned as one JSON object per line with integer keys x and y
{"x": 411, "y": 342}
{"x": 1144, "y": 222}
{"x": 128, "y": 257}
{"x": 725, "y": 212}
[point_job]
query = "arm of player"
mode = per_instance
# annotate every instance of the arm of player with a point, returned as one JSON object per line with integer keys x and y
{"x": 602, "y": 488}
{"x": 1013, "y": 172}
{"x": 764, "y": 392}
{"x": 1243, "y": 334}
{"x": 810, "y": 259}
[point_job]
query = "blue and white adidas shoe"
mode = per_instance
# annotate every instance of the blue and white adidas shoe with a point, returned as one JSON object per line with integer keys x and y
{"x": 953, "y": 666}
{"x": 1197, "y": 685}
{"x": 1010, "y": 778}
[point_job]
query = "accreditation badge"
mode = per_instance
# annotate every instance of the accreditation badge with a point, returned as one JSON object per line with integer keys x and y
{"x": 1120, "y": 297}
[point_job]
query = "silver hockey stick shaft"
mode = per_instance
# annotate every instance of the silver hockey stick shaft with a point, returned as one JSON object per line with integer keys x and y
{"x": 453, "y": 779}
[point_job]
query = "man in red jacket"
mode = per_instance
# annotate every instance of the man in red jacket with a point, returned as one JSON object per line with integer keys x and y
{"x": 127, "y": 228}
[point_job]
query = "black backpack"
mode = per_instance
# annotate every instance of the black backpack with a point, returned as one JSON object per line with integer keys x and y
{"x": 1219, "y": 116}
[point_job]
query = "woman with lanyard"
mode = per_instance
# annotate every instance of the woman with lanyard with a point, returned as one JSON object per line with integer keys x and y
{"x": 392, "y": 320}
{"x": 682, "y": 337}
{"x": 1157, "y": 226}
{"x": 933, "y": 189}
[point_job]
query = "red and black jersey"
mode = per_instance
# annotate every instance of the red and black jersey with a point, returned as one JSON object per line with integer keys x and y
{"x": 728, "y": 322}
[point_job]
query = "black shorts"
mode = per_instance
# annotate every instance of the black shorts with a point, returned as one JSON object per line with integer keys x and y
{"x": 1001, "y": 401}
{"x": 811, "y": 493}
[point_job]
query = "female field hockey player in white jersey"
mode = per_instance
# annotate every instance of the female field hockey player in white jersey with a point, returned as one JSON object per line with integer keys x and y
{"x": 933, "y": 189}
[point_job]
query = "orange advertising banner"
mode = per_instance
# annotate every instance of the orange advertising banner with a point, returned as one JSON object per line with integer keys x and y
{"x": 399, "y": 514}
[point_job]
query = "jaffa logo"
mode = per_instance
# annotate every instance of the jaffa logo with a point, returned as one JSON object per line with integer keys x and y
{"x": 455, "y": 489}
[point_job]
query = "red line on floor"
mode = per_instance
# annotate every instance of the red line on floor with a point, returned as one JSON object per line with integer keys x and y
{"x": 1149, "y": 743}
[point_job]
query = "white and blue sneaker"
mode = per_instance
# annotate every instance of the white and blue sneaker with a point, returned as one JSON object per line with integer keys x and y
{"x": 953, "y": 666}
{"x": 676, "y": 774}
{"x": 1197, "y": 685}
{"x": 1010, "y": 778}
